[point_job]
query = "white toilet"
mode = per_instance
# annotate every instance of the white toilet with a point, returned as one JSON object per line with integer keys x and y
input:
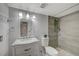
{"x": 49, "y": 51}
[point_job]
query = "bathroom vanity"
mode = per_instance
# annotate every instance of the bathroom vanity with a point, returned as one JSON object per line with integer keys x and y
{"x": 26, "y": 47}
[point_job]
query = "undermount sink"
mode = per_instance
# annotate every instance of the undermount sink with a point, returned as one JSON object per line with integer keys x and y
{"x": 25, "y": 41}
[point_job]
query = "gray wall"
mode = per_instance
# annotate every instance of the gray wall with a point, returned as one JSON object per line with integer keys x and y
{"x": 4, "y": 10}
{"x": 36, "y": 29}
{"x": 69, "y": 33}
{"x": 4, "y": 29}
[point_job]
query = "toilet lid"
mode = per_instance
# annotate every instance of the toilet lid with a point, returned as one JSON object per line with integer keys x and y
{"x": 51, "y": 51}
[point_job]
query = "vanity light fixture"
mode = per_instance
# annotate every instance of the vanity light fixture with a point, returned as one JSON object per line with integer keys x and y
{"x": 20, "y": 15}
{"x": 34, "y": 17}
{"x": 27, "y": 16}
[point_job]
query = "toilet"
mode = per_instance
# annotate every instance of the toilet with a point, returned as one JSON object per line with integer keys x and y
{"x": 48, "y": 50}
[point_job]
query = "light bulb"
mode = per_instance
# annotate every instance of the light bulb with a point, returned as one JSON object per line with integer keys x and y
{"x": 34, "y": 17}
{"x": 27, "y": 16}
{"x": 20, "y": 15}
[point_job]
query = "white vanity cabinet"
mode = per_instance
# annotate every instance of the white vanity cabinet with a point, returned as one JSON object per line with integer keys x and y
{"x": 31, "y": 48}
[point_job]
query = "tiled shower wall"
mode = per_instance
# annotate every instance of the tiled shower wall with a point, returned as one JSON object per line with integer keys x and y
{"x": 69, "y": 33}
{"x": 53, "y": 27}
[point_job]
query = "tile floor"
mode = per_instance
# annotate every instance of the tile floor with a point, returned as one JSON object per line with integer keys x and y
{"x": 62, "y": 52}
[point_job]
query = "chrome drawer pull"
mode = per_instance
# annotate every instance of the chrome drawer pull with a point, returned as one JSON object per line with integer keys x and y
{"x": 27, "y": 49}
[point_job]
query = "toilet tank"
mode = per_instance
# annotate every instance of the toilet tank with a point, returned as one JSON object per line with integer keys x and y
{"x": 44, "y": 41}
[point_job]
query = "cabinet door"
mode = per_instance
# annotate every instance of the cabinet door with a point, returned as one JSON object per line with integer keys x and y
{"x": 23, "y": 49}
{"x": 36, "y": 49}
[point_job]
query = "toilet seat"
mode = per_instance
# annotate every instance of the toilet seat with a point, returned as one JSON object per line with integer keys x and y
{"x": 51, "y": 51}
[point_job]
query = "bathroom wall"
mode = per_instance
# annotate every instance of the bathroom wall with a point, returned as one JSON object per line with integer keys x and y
{"x": 36, "y": 28}
{"x": 14, "y": 31}
{"x": 3, "y": 10}
{"x": 69, "y": 33}
{"x": 4, "y": 29}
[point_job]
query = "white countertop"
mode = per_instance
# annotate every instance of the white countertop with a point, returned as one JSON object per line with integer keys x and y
{"x": 24, "y": 41}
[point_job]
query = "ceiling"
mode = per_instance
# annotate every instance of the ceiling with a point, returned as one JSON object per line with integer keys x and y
{"x": 52, "y": 9}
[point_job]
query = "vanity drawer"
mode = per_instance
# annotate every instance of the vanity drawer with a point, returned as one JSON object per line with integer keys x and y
{"x": 23, "y": 49}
